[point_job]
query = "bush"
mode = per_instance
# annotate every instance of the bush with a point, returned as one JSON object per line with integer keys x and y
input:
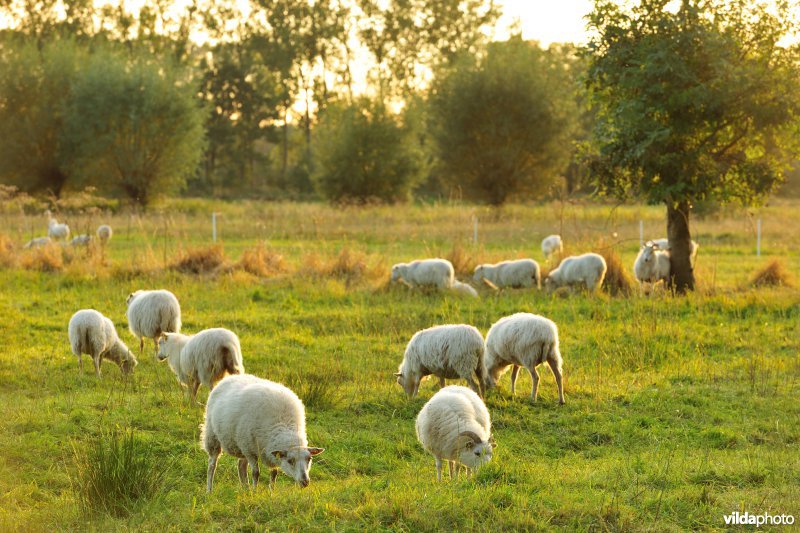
{"x": 618, "y": 281}
{"x": 773, "y": 274}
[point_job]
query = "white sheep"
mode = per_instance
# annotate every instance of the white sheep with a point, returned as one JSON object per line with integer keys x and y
{"x": 527, "y": 340}
{"x": 663, "y": 244}
{"x": 464, "y": 288}
{"x": 151, "y": 313}
{"x": 252, "y": 418}
{"x": 518, "y": 273}
{"x": 203, "y": 358}
{"x": 92, "y": 333}
{"x": 55, "y": 230}
{"x": 448, "y": 352}
{"x": 652, "y": 264}
{"x": 552, "y": 244}
{"x": 104, "y": 233}
{"x": 587, "y": 269}
{"x": 38, "y": 242}
{"x": 437, "y": 273}
{"x": 454, "y": 426}
{"x": 81, "y": 240}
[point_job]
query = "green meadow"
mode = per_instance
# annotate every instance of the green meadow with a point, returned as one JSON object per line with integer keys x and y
{"x": 679, "y": 410}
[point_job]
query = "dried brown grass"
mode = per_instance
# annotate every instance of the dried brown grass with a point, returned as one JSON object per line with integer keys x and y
{"x": 773, "y": 274}
{"x": 262, "y": 261}
{"x": 8, "y": 256}
{"x": 201, "y": 260}
{"x": 618, "y": 281}
{"x": 48, "y": 258}
{"x": 463, "y": 262}
{"x": 350, "y": 266}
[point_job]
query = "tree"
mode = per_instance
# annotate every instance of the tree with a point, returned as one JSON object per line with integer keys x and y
{"x": 364, "y": 154}
{"x": 502, "y": 127}
{"x": 694, "y": 104}
{"x": 133, "y": 126}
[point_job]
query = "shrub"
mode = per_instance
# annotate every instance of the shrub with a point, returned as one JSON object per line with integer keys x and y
{"x": 201, "y": 260}
{"x": 773, "y": 274}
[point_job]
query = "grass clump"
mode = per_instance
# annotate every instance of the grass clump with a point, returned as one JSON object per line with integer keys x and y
{"x": 618, "y": 281}
{"x": 262, "y": 261}
{"x": 48, "y": 258}
{"x": 348, "y": 265}
{"x": 773, "y": 274}
{"x": 115, "y": 471}
{"x": 317, "y": 390}
{"x": 463, "y": 263}
{"x": 201, "y": 260}
{"x": 7, "y": 256}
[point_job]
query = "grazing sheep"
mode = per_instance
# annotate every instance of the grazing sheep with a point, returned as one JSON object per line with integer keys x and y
{"x": 55, "y": 230}
{"x": 587, "y": 269}
{"x": 92, "y": 333}
{"x": 663, "y": 244}
{"x": 81, "y": 240}
{"x": 37, "y": 242}
{"x": 526, "y": 340}
{"x": 652, "y": 264}
{"x": 454, "y": 426}
{"x": 552, "y": 244}
{"x": 203, "y": 358}
{"x": 151, "y": 313}
{"x": 463, "y": 288}
{"x": 436, "y": 273}
{"x": 519, "y": 273}
{"x": 447, "y": 352}
{"x": 104, "y": 233}
{"x": 252, "y": 418}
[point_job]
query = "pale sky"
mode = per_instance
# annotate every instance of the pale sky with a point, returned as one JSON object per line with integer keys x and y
{"x": 546, "y": 21}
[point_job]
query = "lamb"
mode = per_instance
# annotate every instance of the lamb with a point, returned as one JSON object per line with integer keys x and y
{"x": 151, "y": 313}
{"x": 589, "y": 269}
{"x": 527, "y": 340}
{"x": 652, "y": 264}
{"x": 104, "y": 233}
{"x": 552, "y": 244}
{"x": 203, "y": 358}
{"x": 454, "y": 426}
{"x": 92, "y": 333}
{"x": 519, "y": 273}
{"x": 464, "y": 288}
{"x": 437, "y": 273}
{"x": 663, "y": 244}
{"x": 81, "y": 240}
{"x": 447, "y": 352}
{"x": 55, "y": 230}
{"x": 252, "y": 418}
{"x": 38, "y": 242}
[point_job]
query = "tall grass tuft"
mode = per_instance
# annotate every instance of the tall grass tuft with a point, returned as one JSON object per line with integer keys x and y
{"x": 619, "y": 281}
{"x": 8, "y": 258}
{"x": 773, "y": 274}
{"x": 201, "y": 260}
{"x": 317, "y": 390}
{"x": 262, "y": 261}
{"x": 116, "y": 470}
{"x": 463, "y": 263}
{"x": 49, "y": 258}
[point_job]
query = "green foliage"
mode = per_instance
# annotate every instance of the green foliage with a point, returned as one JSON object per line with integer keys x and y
{"x": 502, "y": 127}
{"x": 694, "y": 104}
{"x": 134, "y": 126}
{"x": 116, "y": 470}
{"x": 364, "y": 153}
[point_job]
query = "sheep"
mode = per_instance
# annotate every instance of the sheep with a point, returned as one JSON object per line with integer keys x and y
{"x": 436, "y": 273}
{"x": 652, "y": 264}
{"x": 454, "y": 426}
{"x": 527, "y": 340}
{"x": 203, "y": 358}
{"x": 552, "y": 244}
{"x": 252, "y": 418}
{"x": 81, "y": 240}
{"x": 463, "y": 288}
{"x": 37, "y": 242}
{"x": 55, "y": 230}
{"x": 589, "y": 269}
{"x": 448, "y": 352}
{"x": 92, "y": 333}
{"x": 151, "y": 313}
{"x": 519, "y": 273}
{"x": 104, "y": 233}
{"x": 663, "y": 244}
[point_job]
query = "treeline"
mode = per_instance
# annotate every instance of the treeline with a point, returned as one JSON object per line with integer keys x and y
{"x": 353, "y": 101}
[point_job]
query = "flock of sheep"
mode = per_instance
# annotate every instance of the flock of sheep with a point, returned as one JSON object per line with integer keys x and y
{"x": 59, "y": 232}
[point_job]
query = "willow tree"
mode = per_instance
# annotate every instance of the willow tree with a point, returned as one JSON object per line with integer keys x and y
{"x": 697, "y": 103}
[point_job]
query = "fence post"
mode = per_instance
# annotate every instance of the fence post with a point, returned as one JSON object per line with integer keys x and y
{"x": 214, "y": 226}
{"x": 758, "y": 238}
{"x": 474, "y": 229}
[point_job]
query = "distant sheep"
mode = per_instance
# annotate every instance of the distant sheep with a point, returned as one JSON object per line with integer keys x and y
{"x": 552, "y": 244}
{"x": 92, "y": 333}
{"x": 201, "y": 359}
{"x": 518, "y": 273}
{"x": 252, "y": 418}
{"x": 587, "y": 269}
{"x": 523, "y": 340}
{"x": 55, "y": 230}
{"x": 104, "y": 233}
{"x": 81, "y": 240}
{"x": 652, "y": 264}
{"x": 436, "y": 273}
{"x": 38, "y": 242}
{"x": 454, "y": 426}
{"x": 663, "y": 244}
{"x": 448, "y": 352}
{"x": 151, "y": 313}
{"x": 463, "y": 288}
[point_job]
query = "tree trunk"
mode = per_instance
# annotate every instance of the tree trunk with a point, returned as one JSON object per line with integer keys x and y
{"x": 680, "y": 242}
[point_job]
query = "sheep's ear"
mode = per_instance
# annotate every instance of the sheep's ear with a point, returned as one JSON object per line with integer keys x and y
{"x": 398, "y": 374}
{"x": 315, "y": 451}
{"x": 278, "y": 454}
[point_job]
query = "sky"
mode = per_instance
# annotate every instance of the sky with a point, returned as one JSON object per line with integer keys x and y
{"x": 546, "y": 21}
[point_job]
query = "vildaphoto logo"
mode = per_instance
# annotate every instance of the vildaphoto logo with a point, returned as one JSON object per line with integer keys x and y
{"x": 758, "y": 520}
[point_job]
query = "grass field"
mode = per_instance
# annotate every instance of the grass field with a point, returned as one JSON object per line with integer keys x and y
{"x": 679, "y": 410}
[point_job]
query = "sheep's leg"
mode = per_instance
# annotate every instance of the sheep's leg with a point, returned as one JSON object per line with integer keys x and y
{"x": 254, "y": 467}
{"x": 474, "y": 386}
{"x": 80, "y": 363}
{"x": 212, "y": 467}
{"x": 456, "y": 467}
{"x": 141, "y": 346}
{"x": 97, "y": 365}
{"x": 273, "y": 475}
{"x": 438, "y": 469}
{"x": 452, "y": 466}
{"x": 535, "y": 378}
{"x": 243, "y": 471}
{"x": 195, "y": 385}
{"x": 441, "y": 382}
{"x": 558, "y": 374}
{"x": 155, "y": 343}
{"x": 514, "y": 372}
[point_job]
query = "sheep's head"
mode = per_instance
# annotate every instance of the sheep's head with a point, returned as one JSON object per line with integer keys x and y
{"x": 409, "y": 382}
{"x": 549, "y": 282}
{"x": 131, "y": 296}
{"x": 396, "y": 275}
{"x": 163, "y": 355}
{"x": 478, "y": 275}
{"x": 128, "y": 363}
{"x": 648, "y": 251}
{"x": 474, "y": 451}
{"x": 296, "y": 462}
